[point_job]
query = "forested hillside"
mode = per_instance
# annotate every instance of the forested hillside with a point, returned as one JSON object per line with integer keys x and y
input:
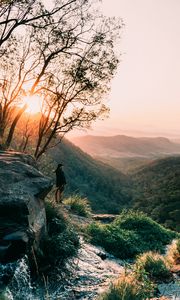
{"x": 157, "y": 191}
{"x": 107, "y": 189}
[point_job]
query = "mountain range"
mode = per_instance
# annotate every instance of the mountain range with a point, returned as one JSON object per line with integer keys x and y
{"x": 127, "y": 153}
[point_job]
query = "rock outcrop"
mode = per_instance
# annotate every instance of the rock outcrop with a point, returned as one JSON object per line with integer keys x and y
{"x": 22, "y": 213}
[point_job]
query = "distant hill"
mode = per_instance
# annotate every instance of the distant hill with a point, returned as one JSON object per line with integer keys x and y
{"x": 127, "y": 153}
{"x": 177, "y": 141}
{"x": 125, "y": 146}
{"x": 107, "y": 189}
{"x": 157, "y": 191}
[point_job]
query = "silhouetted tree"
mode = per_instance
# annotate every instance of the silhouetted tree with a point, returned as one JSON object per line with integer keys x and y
{"x": 65, "y": 55}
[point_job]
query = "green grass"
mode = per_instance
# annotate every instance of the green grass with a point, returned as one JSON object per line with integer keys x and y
{"x": 119, "y": 242}
{"x": 154, "y": 265}
{"x": 78, "y": 205}
{"x": 131, "y": 233}
{"x": 124, "y": 290}
{"x": 173, "y": 253}
{"x": 129, "y": 288}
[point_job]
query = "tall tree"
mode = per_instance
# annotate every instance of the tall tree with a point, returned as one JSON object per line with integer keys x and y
{"x": 68, "y": 60}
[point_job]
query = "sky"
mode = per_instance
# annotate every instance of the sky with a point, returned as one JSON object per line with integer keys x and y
{"x": 145, "y": 93}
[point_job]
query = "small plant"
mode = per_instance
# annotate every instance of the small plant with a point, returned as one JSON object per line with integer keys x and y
{"x": 78, "y": 205}
{"x": 154, "y": 266}
{"x": 128, "y": 288}
{"x": 173, "y": 252}
{"x": 56, "y": 221}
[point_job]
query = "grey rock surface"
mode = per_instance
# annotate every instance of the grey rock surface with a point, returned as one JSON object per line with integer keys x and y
{"x": 22, "y": 213}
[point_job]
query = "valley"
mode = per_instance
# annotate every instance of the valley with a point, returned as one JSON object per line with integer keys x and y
{"x": 151, "y": 167}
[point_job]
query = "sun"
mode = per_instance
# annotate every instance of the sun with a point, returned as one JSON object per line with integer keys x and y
{"x": 34, "y": 103}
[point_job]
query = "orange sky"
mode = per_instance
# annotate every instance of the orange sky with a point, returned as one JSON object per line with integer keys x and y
{"x": 145, "y": 94}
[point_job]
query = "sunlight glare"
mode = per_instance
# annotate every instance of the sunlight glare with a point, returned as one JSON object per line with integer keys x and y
{"x": 34, "y": 104}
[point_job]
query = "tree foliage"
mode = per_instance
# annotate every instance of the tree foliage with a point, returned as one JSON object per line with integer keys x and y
{"x": 64, "y": 55}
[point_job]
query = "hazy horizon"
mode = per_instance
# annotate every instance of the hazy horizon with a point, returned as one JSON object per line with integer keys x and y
{"x": 135, "y": 134}
{"x": 145, "y": 91}
{"x": 112, "y": 131}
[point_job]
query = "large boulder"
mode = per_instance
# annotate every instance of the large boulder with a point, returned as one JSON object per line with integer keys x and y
{"x": 22, "y": 213}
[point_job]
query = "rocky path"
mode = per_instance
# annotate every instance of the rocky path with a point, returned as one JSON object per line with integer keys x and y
{"x": 91, "y": 274}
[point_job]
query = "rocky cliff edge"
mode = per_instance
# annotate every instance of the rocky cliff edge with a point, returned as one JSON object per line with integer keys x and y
{"x": 22, "y": 213}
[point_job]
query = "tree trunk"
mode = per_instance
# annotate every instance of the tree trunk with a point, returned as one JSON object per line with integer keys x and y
{"x": 26, "y": 143}
{"x": 13, "y": 126}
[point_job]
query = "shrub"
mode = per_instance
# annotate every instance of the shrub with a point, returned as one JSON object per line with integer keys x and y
{"x": 78, "y": 205}
{"x": 153, "y": 235}
{"x": 61, "y": 243}
{"x": 119, "y": 242}
{"x": 173, "y": 252}
{"x": 154, "y": 265}
{"x": 128, "y": 288}
{"x": 130, "y": 234}
{"x": 124, "y": 290}
{"x": 56, "y": 222}
{"x": 59, "y": 247}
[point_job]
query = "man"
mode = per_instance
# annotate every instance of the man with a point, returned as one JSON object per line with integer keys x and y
{"x": 60, "y": 183}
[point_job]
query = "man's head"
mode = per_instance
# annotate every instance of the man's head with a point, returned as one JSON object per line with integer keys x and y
{"x": 60, "y": 165}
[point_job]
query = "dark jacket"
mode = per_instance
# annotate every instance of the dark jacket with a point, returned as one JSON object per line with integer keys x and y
{"x": 60, "y": 177}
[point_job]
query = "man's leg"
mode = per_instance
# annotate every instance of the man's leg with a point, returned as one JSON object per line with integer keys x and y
{"x": 57, "y": 193}
{"x": 61, "y": 189}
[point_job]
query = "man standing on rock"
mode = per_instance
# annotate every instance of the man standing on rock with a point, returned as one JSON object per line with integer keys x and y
{"x": 60, "y": 183}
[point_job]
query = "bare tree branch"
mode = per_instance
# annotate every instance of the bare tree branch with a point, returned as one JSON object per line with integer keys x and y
{"x": 67, "y": 58}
